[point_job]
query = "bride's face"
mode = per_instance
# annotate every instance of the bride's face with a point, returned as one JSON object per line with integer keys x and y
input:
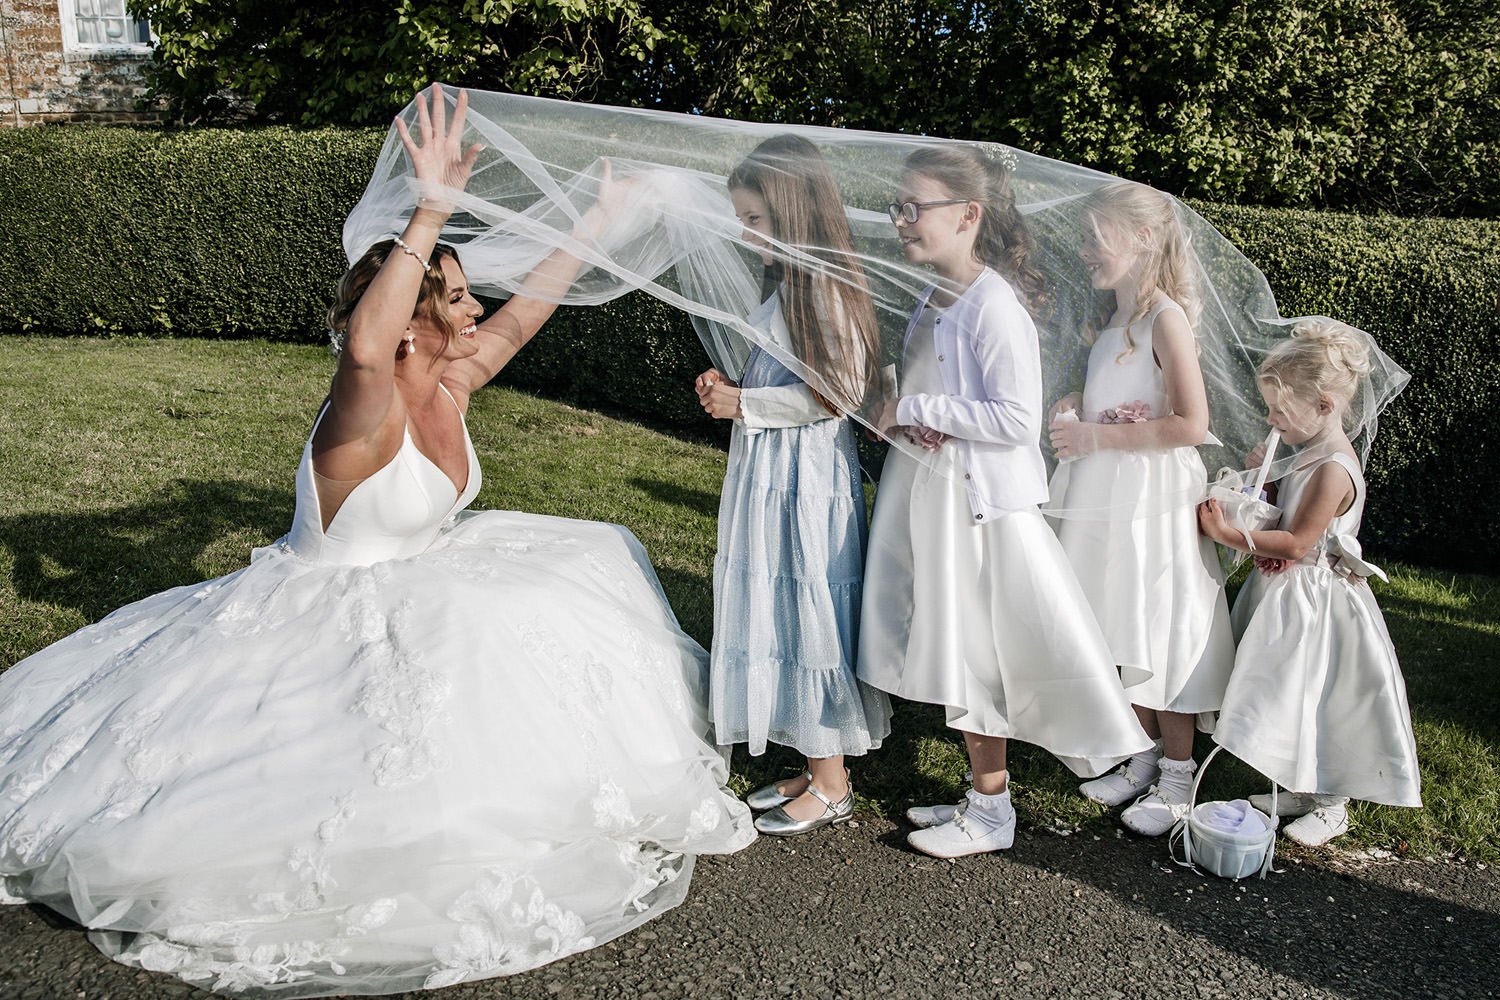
{"x": 464, "y": 312}
{"x": 753, "y": 213}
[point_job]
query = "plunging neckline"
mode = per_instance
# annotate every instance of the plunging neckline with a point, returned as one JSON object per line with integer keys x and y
{"x": 406, "y": 438}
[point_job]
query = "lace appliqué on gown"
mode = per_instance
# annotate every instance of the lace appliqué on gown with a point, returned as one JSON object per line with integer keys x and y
{"x": 399, "y": 694}
{"x": 506, "y": 926}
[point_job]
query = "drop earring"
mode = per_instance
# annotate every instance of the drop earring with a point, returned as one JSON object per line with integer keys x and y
{"x": 407, "y": 347}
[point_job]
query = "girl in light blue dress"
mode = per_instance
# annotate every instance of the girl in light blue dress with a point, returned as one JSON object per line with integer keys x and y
{"x": 787, "y": 576}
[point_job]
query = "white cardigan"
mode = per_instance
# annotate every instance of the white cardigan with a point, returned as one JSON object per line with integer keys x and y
{"x": 991, "y": 367}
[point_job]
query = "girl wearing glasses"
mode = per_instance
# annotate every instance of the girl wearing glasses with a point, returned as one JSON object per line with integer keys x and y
{"x": 788, "y": 570}
{"x": 970, "y": 602}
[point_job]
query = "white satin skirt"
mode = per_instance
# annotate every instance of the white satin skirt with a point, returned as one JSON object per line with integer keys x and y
{"x": 988, "y": 620}
{"x": 1317, "y": 702}
{"x": 1153, "y": 581}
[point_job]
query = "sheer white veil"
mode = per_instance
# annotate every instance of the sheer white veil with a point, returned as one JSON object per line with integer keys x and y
{"x": 679, "y": 240}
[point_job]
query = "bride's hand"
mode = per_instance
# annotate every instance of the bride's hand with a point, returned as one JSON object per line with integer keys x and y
{"x": 607, "y": 206}
{"x": 440, "y": 162}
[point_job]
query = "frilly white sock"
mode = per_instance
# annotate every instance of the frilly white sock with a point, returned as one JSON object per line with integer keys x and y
{"x": 1176, "y": 781}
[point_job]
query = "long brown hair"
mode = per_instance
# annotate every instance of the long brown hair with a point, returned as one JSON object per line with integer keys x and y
{"x": 1004, "y": 242}
{"x": 432, "y": 295}
{"x": 827, "y": 309}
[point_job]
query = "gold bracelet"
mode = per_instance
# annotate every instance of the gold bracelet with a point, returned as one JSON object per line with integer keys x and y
{"x": 405, "y": 248}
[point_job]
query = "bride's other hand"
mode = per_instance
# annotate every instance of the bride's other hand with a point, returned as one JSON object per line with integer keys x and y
{"x": 440, "y": 162}
{"x": 608, "y": 206}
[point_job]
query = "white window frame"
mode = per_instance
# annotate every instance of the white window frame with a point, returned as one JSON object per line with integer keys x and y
{"x": 68, "y": 12}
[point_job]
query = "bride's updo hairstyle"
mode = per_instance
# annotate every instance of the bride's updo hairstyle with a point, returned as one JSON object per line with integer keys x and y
{"x": 1132, "y": 219}
{"x": 1321, "y": 358}
{"x": 1004, "y": 243}
{"x": 432, "y": 296}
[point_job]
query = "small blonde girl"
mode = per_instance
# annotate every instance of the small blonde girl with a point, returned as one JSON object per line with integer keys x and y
{"x": 1317, "y": 702}
{"x": 1131, "y": 456}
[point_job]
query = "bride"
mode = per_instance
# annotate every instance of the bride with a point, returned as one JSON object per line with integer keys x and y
{"x": 407, "y": 746}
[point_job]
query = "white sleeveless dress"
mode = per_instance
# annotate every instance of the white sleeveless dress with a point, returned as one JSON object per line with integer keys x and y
{"x": 1317, "y": 701}
{"x": 419, "y": 748}
{"x": 1152, "y": 579}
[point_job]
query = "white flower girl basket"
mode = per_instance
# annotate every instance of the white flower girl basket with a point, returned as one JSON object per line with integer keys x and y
{"x": 1230, "y": 839}
{"x": 1243, "y": 503}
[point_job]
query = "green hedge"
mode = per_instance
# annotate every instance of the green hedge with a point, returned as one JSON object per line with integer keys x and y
{"x": 235, "y": 233}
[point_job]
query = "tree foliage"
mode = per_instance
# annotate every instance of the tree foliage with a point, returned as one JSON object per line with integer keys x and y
{"x": 1366, "y": 104}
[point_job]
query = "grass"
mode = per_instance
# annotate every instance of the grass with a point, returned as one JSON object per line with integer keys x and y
{"x": 127, "y": 467}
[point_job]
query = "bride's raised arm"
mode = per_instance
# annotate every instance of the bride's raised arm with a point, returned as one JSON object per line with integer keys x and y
{"x": 524, "y": 313}
{"x": 363, "y": 387}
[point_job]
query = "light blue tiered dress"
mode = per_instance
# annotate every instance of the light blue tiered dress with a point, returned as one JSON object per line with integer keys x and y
{"x": 787, "y": 576}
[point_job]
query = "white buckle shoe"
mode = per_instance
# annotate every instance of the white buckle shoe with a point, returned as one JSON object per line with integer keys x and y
{"x": 1287, "y": 803}
{"x": 961, "y": 836}
{"x": 1128, "y": 781}
{"x": 1152, "y": 815}
{"x": 922, "y": 817}
{"x": 1316, "y": 828}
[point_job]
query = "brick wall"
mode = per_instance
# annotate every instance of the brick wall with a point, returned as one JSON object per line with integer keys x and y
{"x": 41, "y": 82}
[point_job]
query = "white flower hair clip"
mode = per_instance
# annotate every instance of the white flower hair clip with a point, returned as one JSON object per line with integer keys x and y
{"x": 996, "y": 153}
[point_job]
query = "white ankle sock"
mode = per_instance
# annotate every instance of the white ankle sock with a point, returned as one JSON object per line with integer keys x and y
{"x": 1176, "y": 781}
{"x": 991, "y": 810}
{"x": 1146, "y": 761}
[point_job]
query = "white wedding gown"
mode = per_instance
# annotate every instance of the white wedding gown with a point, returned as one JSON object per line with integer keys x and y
{"x": 420, "y": 748}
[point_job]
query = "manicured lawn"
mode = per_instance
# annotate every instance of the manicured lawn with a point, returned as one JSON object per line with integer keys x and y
{"x": 130, "y": 466}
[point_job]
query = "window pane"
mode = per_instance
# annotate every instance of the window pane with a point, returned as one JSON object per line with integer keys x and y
{"x": 114, "y": 30}
{"x": 87, "y": 8}
{"x": 89, "y": 33}
{"x": 112, "y": 8}
{"x": 142, "y": 32}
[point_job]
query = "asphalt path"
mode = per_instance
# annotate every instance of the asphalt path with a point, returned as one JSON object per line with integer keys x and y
{"x": 853, "y": 912}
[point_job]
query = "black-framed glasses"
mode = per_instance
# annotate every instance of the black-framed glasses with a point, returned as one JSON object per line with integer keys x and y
{"x": 910, "y": 211}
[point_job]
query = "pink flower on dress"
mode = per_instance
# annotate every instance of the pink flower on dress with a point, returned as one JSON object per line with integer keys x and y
{"x": 1133, "y": 412}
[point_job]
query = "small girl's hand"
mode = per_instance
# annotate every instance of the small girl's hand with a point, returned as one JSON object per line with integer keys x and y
{"x": 1270, "y": 566}
{"x": 1257, "y": 455}
{"x": 708, "y": 379}
{"x": 927, "y": 438}
{"x": 1072, "y": 401}
{"x": 1212, "y": 523}
{"x": 722, "y": 402}
{"x": 1073, "y": 438}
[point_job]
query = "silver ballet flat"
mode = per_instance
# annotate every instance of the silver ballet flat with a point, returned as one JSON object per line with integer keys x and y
{"x": 778, "y": 824}
{"x": 770, "y": 796}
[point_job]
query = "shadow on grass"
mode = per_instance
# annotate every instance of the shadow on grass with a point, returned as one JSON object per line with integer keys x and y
{"x": 1448, "y": 658}
{"x": 97, "y": 561}
{"x": 692, "y": 600}
{"x": 699, "y": 501}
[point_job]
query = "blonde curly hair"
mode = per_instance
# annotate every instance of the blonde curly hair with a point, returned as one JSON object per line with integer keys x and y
{"x": 1322, "y": 357}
